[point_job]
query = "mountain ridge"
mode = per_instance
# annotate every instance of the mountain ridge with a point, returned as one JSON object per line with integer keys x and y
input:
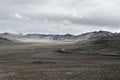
{"x": 107, "y": 45}
{"x": 53, "y": 37}
{"x": 84, "y": 36}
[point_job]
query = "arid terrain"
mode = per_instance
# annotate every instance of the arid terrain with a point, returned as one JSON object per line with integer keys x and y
{"x": 41, "y": 61}
{"x": 60, "y": 57}
{"x": 59, "y": 39}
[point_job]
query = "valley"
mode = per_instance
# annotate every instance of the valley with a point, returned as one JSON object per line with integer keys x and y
{"x": 41, "y": 59}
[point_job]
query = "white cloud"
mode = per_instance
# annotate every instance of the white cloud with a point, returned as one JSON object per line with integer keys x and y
{"x": 67, "y": 22}
{"x": 76, "y": 15}
{"x": 72, "y": 16}
{"x": 19, "y": 16}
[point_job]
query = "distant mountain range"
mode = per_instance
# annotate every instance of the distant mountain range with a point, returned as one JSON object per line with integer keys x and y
{"x": 69, "y": 37}
{"x": 98, "y": 42}
{"x": 51, "y": 37}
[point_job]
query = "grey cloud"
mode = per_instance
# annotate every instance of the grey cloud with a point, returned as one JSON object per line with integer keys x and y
{"x": 65, "y": 15}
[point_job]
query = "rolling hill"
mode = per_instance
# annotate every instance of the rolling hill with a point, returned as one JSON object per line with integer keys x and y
{"x": 69, "y": 37}
{"x": 106, "y": 45}
{"x": 8, "y": 37}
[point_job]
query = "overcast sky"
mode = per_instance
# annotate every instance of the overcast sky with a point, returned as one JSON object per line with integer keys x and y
{"x": 59, "y": 16}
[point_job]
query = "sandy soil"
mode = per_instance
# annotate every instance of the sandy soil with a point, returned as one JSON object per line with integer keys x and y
{"x": 2, "y": 74}
{"x": 41, "y": 61}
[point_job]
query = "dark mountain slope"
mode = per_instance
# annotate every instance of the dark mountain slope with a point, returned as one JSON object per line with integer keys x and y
{"x": 108, "y": 45}
{"x": 5, "y": 40}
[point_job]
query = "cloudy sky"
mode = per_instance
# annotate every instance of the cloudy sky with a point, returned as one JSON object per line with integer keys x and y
{"x": 59, "y": 16}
